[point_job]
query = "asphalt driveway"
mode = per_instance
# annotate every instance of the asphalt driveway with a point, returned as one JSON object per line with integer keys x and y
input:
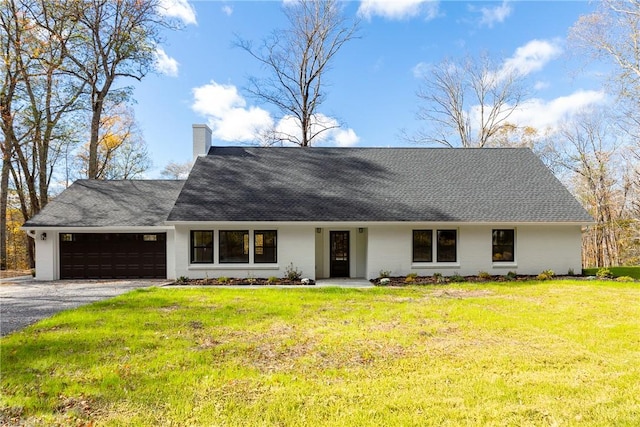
{"x": 24, "y": 301}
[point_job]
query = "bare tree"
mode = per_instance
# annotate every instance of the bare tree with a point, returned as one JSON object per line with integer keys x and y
{"x": 612, "y": 33}
{"x": 175, "y": 170}
{"x": 297, "y": 60}
{"x": 590, "y": 148}
{"x": 468, "y": 103}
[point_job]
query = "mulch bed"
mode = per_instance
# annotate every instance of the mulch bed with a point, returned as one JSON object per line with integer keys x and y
{"x": 242, "y": 282}
{"x": 431, "y": 280}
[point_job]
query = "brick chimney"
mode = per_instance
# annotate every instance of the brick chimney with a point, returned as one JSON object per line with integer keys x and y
{"x": 201, "y": 140}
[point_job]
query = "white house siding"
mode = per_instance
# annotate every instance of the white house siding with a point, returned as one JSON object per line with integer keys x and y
{"x": 47, "y": 255}
{"x": 537, "y": 248}
{"x": 378, "y": 247}
{"x": 295, "y": 245}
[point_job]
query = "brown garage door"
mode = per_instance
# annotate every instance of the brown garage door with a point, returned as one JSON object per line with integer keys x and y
{"x": 113, "y": 255}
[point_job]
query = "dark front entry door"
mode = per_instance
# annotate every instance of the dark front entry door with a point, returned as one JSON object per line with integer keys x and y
{"x": 339, "y": 256}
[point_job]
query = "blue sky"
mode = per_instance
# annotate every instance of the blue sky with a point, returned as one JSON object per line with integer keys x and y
{"x": 372, "y": 84}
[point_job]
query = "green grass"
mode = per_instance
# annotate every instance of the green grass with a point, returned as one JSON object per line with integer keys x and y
{"x": 550, "y": 353}
{"x": 616, "y": 271}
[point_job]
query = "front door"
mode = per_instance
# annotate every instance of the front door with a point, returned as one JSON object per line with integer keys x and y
{"x": 339, "y": 257}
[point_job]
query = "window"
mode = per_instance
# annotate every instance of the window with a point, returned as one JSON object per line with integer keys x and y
{"x": 503, "y": 243}
{"x": 445, "y": 247}
{"x": 234, "y": 246}
{"x": 201, "y": 247}
{"x": 422, "y": 246}
{"x": 265, "y": 247}
{"x": 447, "y": 242}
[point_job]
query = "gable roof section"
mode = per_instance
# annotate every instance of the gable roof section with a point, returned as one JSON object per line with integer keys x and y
{"x": 93, "y": 203}
{"x": 374, "y": 184}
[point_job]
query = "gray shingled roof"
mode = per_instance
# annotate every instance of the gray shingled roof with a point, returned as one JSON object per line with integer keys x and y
{"x": 374, "y": 184}
{"x": 91, "y": 203}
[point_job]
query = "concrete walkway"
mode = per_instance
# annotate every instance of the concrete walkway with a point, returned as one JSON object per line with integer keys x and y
{"x": 345, "y": 283}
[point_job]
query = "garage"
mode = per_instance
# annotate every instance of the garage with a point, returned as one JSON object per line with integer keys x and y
{"x": 113, "y": 255}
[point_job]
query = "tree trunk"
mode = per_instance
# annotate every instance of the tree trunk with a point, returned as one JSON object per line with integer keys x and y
{"x": 4, "y": 195}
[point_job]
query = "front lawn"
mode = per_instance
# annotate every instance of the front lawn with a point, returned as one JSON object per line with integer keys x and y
{"x": 550, "y": 353}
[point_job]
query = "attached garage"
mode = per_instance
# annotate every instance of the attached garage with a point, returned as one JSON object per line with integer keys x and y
{"x": 113, "y": 255}
{"x": 106, "y": 230}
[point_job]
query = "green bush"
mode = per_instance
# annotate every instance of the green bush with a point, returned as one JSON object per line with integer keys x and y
{"x": 182, "y": 280}
{"x": 384, "y": 273}
{"x": 604, "y": 273}
{"x": 411, "y": 278}
{"x": 511, "y": 275}
{"x": 292, "y": 272}
{"x": 272, "y": 279}
{"x": 438, "y": 277}
{"x": 223, "y": 279}
{"x": 456, "y": 278}
{"x": 625, "y": 279}
{"x": 546, "y": 275}
{"x": 484, "y": 275}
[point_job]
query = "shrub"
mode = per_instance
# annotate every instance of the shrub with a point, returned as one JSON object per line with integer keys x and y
{"x": 604, "y": 273}
{"x": 384, "y": 273}
{"x": 456, "y": 278}
{"x": 223, "y": 279}
{"x": 272, "y": 279}
{"x": 484, "y": 275}
{"x": 411, "y": 278}
{"x": 512, "y": 275}
{"x": 546, "y": 275}
{"x": 384, "y": 281}
{"x": 438, "y": 277}
{"x": 292, "y": 273}
{"x": 182, "y": 280}
{"x": 571, "y": 272}
{"x": 625, "y": 279}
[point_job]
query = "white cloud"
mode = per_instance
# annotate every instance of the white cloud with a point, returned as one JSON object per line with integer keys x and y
{"x": 345, "y": 137}
{"x": 540, "y": 85}
{"x": 180, "y": 9}
{"x": 549, "y": 115}
{"x": 532, "y": 57}
{"x": 493, "y": 15}
{"x": 232, "y": 120}
{"x": 336, "y": 135}
{"x": 420, "y": 70}
{"x": 228, "y": 116}
{"x": 165, "y": 64}
{"x": 227, "y": 10}
{"x": 528, "y": 59}
{"x": 398, "y": 9}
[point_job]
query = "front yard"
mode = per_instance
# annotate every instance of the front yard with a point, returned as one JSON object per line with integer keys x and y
{"x": 537, "y": 353}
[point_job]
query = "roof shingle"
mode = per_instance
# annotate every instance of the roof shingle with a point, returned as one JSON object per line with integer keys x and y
{"x": 93, "y": 203}
{"x": 374, "y": 184}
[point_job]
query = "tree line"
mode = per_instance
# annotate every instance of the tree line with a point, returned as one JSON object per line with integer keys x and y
{"x": 64, "y": 110}
{"x": 65, "y": 62}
